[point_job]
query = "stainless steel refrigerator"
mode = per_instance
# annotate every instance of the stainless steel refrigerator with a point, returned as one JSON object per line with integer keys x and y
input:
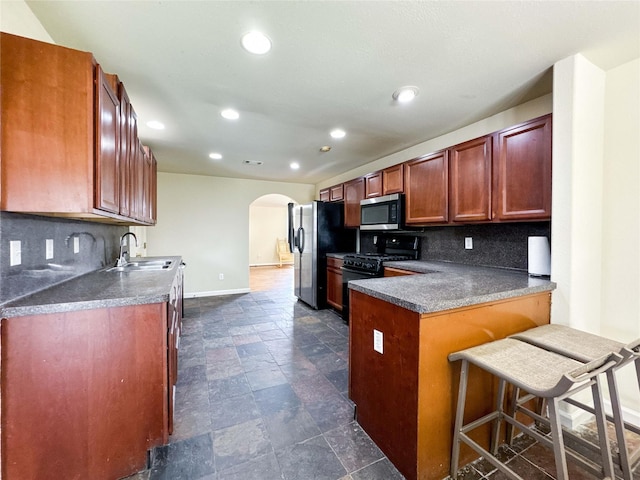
{"x": 316, "y": 229}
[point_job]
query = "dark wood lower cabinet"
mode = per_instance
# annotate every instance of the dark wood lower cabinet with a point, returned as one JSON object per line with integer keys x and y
{"x": 406, "y": 397}
{"x": 85, "y": 394}
{"x": 334, "y": 282}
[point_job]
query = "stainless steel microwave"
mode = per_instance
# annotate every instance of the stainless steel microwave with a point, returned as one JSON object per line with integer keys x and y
{"x": 382, "y": 213}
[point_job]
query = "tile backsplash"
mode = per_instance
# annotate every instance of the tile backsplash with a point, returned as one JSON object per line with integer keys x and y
{"x": 495, "y": 245}
{"x": 98, "y": 246}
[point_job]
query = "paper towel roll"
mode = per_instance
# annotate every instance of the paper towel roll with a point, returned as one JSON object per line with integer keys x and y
{"x": 539, "y": 256}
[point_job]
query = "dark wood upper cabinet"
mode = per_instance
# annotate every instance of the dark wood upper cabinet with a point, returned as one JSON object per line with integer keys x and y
{"x": 325, "y": 195}
{"x": 522, "y": 171}
{"x": 470, "y": 180}
{"x": 128, "y": 131}
{"x": 107, "y": 187}
{"x": 426, "y": 189}
{"x": 336, "y": 193}
{"x": 63, "y": 125}
{"x": 373, "y": 185}
{"x": 393, "y": 179}
{"x": 354, "y": 191}
{"x": 47, "y": 102}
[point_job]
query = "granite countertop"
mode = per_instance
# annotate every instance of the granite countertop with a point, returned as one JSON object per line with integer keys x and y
{"x": 338, "y": 255}
{"x": 98, "y": 289}
{"x": 443, "y": 286}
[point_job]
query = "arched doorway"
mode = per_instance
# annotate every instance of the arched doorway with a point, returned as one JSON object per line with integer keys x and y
{"x": 268, "y": 222}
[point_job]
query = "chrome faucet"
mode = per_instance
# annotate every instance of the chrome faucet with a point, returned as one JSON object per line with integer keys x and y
{"x": 123, "y": 258}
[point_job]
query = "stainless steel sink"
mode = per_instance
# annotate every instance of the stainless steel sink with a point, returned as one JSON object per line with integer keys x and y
{"x": 143, "y": 266}
{"x": 151, "y": 263}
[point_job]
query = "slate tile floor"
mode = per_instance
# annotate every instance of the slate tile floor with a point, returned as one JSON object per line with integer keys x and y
{"x": 262, "y": 395}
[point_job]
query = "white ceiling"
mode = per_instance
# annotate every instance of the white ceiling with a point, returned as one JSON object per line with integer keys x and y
{"x": 333, "y": 64}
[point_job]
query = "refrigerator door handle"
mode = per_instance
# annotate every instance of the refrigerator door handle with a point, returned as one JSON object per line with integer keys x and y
{"x": 290, "y": 235}
{"x": 301, "y": 239}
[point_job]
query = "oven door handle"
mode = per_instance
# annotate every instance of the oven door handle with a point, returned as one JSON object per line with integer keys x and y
{"x": 359, "y": 272}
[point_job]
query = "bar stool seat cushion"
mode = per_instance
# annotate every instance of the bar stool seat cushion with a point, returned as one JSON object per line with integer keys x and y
{"x": 533, "y": 369}
{"x": 579, "y": 345}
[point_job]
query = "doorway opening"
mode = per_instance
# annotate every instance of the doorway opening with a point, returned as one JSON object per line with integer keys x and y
{"x": 268, "y": 225}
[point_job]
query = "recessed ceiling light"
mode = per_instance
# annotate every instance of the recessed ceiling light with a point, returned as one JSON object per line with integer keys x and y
{"x": 405, "y": 94}
{"x": 230, "y": 114}
{"x": 294, "y": 165}
{"x": 325, "y": 148}
{"x": 338, "y": 133}
{"x": 155, "y": 124}
{"x": 215, "y": 156}
{"x": 256, "y": 42}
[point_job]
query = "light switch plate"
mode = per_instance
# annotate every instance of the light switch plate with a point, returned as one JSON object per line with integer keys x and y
{"x": 15, "y": 253}
{"x": 378, "y": 341}
{"x": 49, "y": 248}
{"x": 468, "y": 243}
{"x": 76, "y": 244}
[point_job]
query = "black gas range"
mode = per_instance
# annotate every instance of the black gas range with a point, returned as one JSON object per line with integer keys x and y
{"x": 360, "y": 266}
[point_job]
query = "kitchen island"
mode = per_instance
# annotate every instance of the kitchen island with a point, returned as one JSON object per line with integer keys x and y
{"x": 88, "y": 371}
{"x": 401, "y": 331}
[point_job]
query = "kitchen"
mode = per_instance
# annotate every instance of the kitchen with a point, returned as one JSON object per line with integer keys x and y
{"x": 592, "y": 253}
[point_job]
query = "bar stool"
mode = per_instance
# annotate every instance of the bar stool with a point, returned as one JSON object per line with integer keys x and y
{"x": 541, "y": 373}
{"x": 586, "y": 347}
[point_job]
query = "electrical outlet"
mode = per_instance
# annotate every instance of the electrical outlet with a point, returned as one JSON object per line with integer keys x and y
{"x": 49, "y": 249}
{"x": 221, "y": 276}
{"x": 378, "y": 341}
{"x": 15, "y": 253}
{"x": 468, "y": 243}
{"x": 76, "y": 244}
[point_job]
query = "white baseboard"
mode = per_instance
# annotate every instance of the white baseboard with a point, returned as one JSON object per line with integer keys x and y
{"x": 214, "y": 293}
{"x": 629, "y": 415}
{"x": 577, "y": 416}
{"x": 269, "y": 264}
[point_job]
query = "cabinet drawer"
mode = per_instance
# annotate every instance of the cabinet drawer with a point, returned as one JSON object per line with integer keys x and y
{"x": 334, "y": 262}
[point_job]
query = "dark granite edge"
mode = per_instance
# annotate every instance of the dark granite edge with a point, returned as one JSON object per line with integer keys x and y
{"x": 67, "y": 300}
{"x": 439, "y": 306}
{"x": 23, "y": 311}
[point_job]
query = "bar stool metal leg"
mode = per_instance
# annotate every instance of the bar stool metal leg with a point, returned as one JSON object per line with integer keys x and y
{"x": 558, "y": 442}
{"x": 495, "y": 433}
{"x": 601, "y": 422}
{"x": 462, "y": 396}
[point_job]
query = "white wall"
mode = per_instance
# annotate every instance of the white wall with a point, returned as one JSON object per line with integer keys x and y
{"x": 576, "y": 225}
{"x": 620, "y": 302}
{"x": 17, "y": 18}
{"x": 206, "y": 221}
{"x": 596, "y": 205}
{"x": 266, "y": 225}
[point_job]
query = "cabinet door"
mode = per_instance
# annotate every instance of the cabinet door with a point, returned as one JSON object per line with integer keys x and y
{"x": 354, "y": 191}
{"x": 125, "y": 151}
{"x": 393, "y": 180}
{"x": 146, "y": 188}
{"x": 336, "y": 193}
{"x": 150, "y": 184}
{"x": 426, "y": 180}
{"x": 523, "y": 171}
{"x": 325, "y": 195}
{"x": 107, "y": 149}
{"x": 153, "y": 193}
{"x": 137, "y": 185}
{"x": 334, "y": 283}
{"x": 470, "y": 180}
{"x": 47, "y": 110}
{"x": 373, "y": 185}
